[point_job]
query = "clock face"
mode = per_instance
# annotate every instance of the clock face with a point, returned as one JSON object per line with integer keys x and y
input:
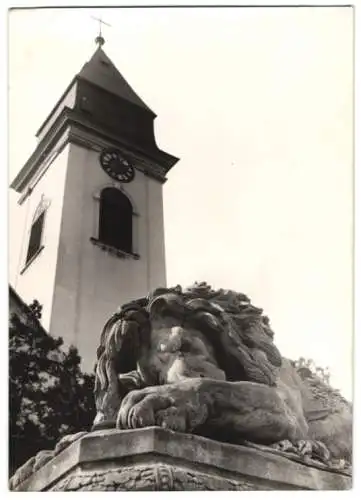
{"x": 116, "y": 166}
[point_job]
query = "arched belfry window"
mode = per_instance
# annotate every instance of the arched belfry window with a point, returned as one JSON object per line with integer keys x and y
{"x": 36, "y": 231}
{"x": 116, "y": 220}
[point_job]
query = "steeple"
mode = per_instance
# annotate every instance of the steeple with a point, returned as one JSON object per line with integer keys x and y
{"x": 101, "y": 102}
{"x": 100, "y": 71}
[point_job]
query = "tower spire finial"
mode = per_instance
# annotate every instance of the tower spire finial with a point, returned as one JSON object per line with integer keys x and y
{"x": 99, "y": 39}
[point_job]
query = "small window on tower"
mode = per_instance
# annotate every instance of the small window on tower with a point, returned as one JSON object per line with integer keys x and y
{"x": 116, "y": 220}
{"x": 35, "y": 237}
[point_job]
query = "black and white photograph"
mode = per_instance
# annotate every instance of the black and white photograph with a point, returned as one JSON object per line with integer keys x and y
{"x": 180, "y": 262}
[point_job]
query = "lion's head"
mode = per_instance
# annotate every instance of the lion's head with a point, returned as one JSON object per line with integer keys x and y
{"x": 239, "y": 333}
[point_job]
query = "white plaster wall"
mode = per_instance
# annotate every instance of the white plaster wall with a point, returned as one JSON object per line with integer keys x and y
{"x": 37, "y": 281}
{"x": 156, "y": 250}
{"x": 16, "y": 228}
{"x": 90, "y": 283}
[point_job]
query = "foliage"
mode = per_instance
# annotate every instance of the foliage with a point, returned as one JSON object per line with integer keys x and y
{"x": 49, "y": 396}
{"x": 307, "y": 368}
{"x": 317, "y": 380}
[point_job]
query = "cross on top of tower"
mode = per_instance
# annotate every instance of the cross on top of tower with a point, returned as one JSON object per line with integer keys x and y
{"x": 99, "y": 39}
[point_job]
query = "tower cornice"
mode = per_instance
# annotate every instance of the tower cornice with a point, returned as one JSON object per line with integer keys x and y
{"x": 74, "y": 128}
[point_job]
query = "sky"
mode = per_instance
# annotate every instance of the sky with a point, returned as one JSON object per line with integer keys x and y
{"x": 258, "y": 105}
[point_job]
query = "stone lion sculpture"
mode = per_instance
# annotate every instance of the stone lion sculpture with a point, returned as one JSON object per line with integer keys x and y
{"x": 204, "y": 361}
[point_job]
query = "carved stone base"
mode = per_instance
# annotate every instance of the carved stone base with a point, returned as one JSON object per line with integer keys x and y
{"x": 154, "y": 459}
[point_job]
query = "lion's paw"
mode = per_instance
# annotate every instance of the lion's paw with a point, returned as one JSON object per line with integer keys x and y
{"x": 305, "y": 448}
{"x": 168, "y": 406}
{"x": 147, "y": 407}
{"x": 314, "y": 449}
{"x": 284, "y": 445}
{"x": 171, "y": 418}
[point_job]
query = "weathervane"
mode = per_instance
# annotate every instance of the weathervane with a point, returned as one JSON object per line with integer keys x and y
{"x": 99, "y": 39}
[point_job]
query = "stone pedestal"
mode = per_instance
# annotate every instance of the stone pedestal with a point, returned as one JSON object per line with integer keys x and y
{"x": 161, "y": 460}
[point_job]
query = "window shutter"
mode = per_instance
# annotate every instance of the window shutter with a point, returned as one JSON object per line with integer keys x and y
{"x": 35, "y": 236}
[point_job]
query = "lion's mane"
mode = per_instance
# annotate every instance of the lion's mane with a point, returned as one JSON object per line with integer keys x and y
{"x": 240, "y": 333}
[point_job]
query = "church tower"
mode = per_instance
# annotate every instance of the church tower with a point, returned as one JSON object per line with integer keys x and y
{"x": 91, "y": 196}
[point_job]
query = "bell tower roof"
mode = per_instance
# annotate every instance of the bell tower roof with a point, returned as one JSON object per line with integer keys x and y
{"x": 100, "y": 71}
{"x": 99, "y": 107}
